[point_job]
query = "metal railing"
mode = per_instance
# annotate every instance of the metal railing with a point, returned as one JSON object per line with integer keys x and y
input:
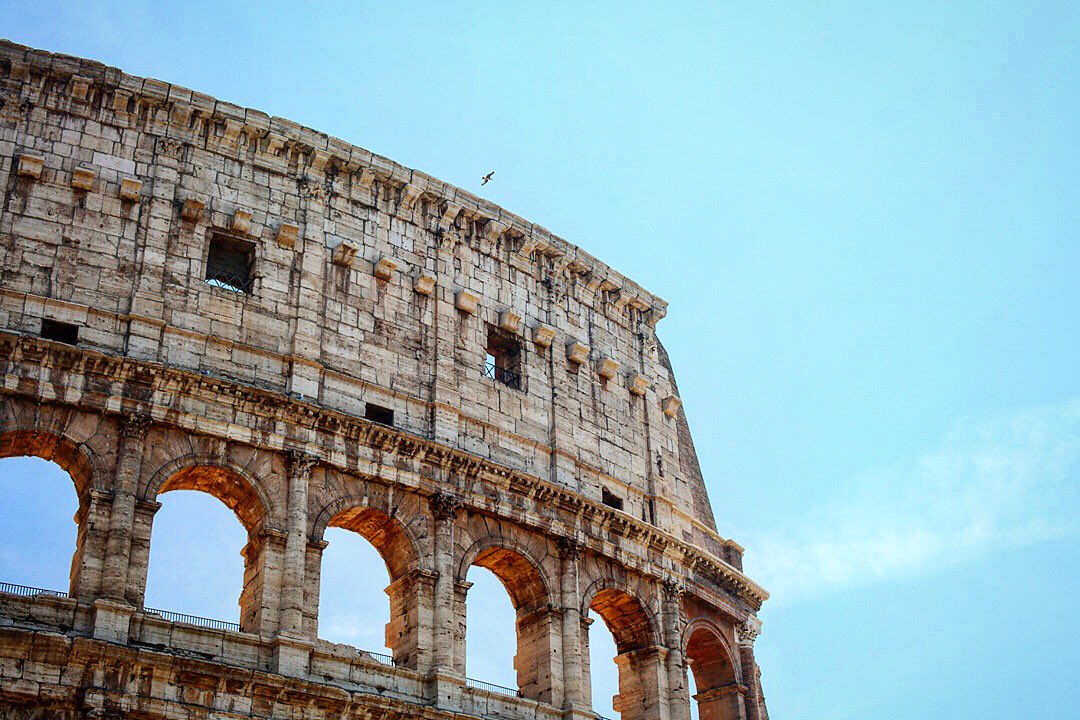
{"x": 193, "y": 619}
{"x": 230, "y": 282}
{"x": 509, "y": 378}
{"x": 492, "y": 687}
{"x": 382, "y": 658}
{"x": 28, "y": 591}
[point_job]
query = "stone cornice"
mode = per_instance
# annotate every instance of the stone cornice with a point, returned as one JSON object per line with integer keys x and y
{"x": 92, "y": 89}
{"x": 28, "y": 350}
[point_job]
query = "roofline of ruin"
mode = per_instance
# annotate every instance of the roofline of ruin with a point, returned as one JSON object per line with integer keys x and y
{"x": 269, "y": 135}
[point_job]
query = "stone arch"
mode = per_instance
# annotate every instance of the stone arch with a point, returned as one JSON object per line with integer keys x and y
{"x": 531, "y": 592}
{"x": 509, "y": 560}
{"x": 56, "y": 436}
{"x": 375, "y": 519}
{"x": 724, "y": 645}
{"x": 392, "y": 538}
{"x": 622, "y": 610}
{"x": 716, "y": 671}
{"x": 75, "y": 459}
{"x": 219, "y": 477}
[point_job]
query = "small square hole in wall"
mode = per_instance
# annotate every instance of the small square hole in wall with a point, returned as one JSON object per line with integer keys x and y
{"x": 60, "y": 331}
{"x": 611, "y": 499}
{"x": 379, "y": 414}
{"x": 229, "y": 263}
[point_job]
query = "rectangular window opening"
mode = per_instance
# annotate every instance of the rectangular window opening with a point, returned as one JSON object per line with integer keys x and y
{"x": 379, "y": 414}
{"x": 229, "y": 263}
{"x": 502, "y": 359}
{"x": 611, "y": 499}
{"x": 60, "y": 331}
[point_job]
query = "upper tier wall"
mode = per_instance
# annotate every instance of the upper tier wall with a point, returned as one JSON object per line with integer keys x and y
{"x": 372, "y": 283}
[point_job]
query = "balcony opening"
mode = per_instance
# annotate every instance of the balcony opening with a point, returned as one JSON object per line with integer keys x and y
{"x": 60, "y": 331}
{"x": 611, "y": 499}
{"x": 502, "y": 361}
{"x": 229, "y": 263}
{"x": 379, "y": 414}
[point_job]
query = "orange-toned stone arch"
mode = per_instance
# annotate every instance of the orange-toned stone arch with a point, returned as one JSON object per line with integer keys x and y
{"x": 532, "y": 594}
{"x": 83, "y": 466}
{"x": 400, "y": 549}
{"x": 238, "y": 489}
{"x": 716, "y": 671}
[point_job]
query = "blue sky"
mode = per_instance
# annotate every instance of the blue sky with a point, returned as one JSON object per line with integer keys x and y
{"x": 864, "y": 217}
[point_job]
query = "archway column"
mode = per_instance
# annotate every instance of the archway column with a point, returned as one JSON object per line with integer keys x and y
{"x": 746, "y": 634}
{"x": 575, "y": 650}
{"x": 115, "y": 583}
{"x": 642, "y": 684}
{"x": 724, "y": 703}
{"x": 294, "y": 575}
{"x": 537, "y": 661}
{"x": 447, "y": 608}
{"x": 264, "y": 560}
{"x": 409, "y": 632}
{"x": 90, "y": 559}
{"x": 678, "y": 687}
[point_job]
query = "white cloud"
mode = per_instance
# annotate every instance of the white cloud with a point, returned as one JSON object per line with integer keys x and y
{"x": 992, "y": 484}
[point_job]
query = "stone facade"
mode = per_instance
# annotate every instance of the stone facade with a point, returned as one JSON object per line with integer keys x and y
{"x": 198, "y": 296}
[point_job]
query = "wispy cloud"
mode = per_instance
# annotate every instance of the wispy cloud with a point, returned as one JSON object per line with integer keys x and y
{"x": 992, "y": 484}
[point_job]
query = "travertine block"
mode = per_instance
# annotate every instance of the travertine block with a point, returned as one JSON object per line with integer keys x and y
{"x": 577, "y": 352}
{"x": 287, "y": 234}
{"x": 82, "y": 178}
{"x": 543, "y": 335}
{"x": 466, "y": 301}
{"x": 192, "y": 210}
{"x": 638, "y": 384}
{"x": 80, "y": 87}
{"x": 671, "y": 405}
{"x": 241, "y": 222}
{"x": 510, "y": 321}
{"x": 607, "y": 367}
{"x": 424, "y": 284}
{"x": 384, "y": 268}
{"x": 130, "y": 188}
{"x": 345, "y": 253}
{"x": 30, "y": 166}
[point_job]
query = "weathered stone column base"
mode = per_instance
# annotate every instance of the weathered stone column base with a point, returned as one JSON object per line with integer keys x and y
{"x": 112, "y": 621}
{"x": 292, "y": 656}
{"x": 444, "y": 690}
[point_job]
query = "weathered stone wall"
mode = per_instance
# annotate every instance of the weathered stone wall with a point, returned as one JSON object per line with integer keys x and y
{"x": 372, "y": 285}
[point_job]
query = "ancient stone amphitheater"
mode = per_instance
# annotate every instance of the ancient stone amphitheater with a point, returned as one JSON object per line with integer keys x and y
{"x": 198, "y": 296}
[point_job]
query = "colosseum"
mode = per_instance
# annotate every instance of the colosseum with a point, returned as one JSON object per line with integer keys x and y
{"x": 197, "y": 296}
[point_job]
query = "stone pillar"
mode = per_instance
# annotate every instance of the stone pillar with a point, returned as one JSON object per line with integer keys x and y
{"x": 89, "y": 559}
{"x": 409, "y": 632}
{"x": 264, "y": 557}
{"x": 723, "y": 703}
{"x": 642, "y": 684}
{"x": 140, "y": 550}
{"x": 129, "y": 454}
{"x": 294, "y": 572}
{"x": 746, "y": 634}
{"x": 678, "y": 687}
{"x": 574, "y": 652}
{"x": 537, "y": 661}
{"x": 444, "y": 508}
{"x": 448, "y": 654}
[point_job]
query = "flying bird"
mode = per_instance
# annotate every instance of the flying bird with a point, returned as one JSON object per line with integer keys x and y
{"x": 484, "y": 180}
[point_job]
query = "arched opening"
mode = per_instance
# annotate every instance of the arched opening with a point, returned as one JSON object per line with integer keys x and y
{"x": 206, "y": 550}
{"x": 636, "y": 657}
{"x": 715, "y": 690}
{"x": 38, "y": 524}
{"x": 43, "y": 529}
{"x": 487, "y": 638}
{"x": 604, "y": 673}
{"x": 365, "y": 549}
